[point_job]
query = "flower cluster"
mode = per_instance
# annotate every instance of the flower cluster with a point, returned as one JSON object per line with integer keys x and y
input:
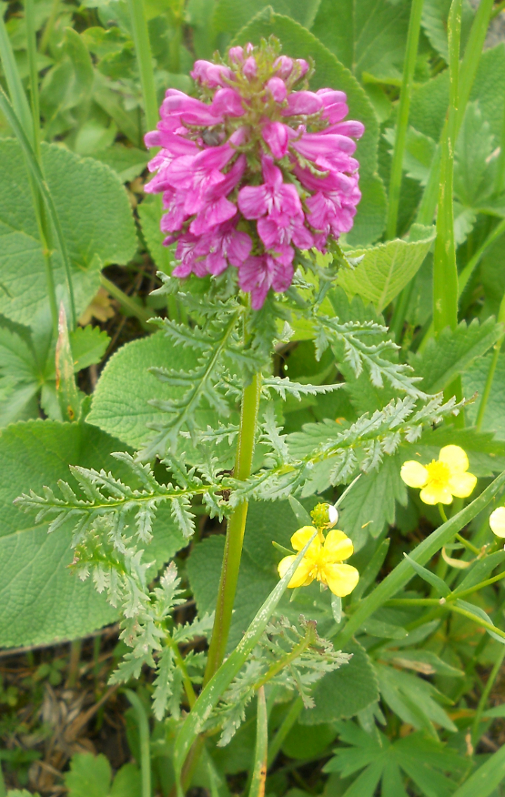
{"x": 441, "y": 479}
{"x": 256, "y": 169}
{"x": 324, "y": 556}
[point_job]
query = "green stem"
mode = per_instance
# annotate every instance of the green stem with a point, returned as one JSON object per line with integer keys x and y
{"x": 454, "y": 596}
{"x": 485, "y": 694}
{"x": 235, "y": 531}
{"x": 145, "y": 61}
{"x": 498, "y": 9}
{"x": 277, "y": 666}
{"x": 188, "y": 686}
{"x": 492, "y": 368}
{"x": 468, "y": 545}
{"x": 73, "y": 666}
{"x": 259, "y": 773}
{"x": 131, "y": 306}
{"x": 145, "y": 753}
{"x": 46, "y": 33}
{"x": 395, "y": 180}
{"x": 31, "y": 36}
{"x": 287, "y": 723}
{"x": 482, "y": 623}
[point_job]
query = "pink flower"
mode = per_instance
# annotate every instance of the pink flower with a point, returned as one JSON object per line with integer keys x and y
{"x": 216, "y": 208}
{"x": 277, "y": 88}
{"x": 227, "y": 102}
{"x": 258, "y": 274}
{"x": 250, "y": 68}
{"x": 210, "y": 74}
{"x": 303, "y": 103}
{"x": 273, "y": 196}
{"x": 276, "y": 135}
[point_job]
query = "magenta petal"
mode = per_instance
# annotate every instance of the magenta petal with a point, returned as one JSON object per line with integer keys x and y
{"x": 268, "y": 231}
{"x": 282, "y": 276}
{"x": 277, "y": 89}
{"x": 213, "y": 214}
{"x": 252, "y": 201}
{"x": 239, "y": 248}
{"x": 276, "y": 135}
{"x": 283, "y": 66}
{"x": 216, "y": 263}
{"x": 250, "y": 68}
{"x": 236, "y": 55}
{"x": 303, "y": 103}
{"x": 227, "y": 102}
{"x": 349, "y": 128}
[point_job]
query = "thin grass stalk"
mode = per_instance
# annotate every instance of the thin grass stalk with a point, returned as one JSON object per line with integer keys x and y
{"x": 38, "y": 178}
{"x": 145, "y": 752}
{"x": 409, "y": 66}
{"x": 492, "y": 369}
{"x": 259, "y": 770}
{"x": 468, "y": 70}
{"x": 485, "y": 695}
{"x": 13, "y": 80}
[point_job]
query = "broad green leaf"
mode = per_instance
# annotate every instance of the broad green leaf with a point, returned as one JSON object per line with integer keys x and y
{"x": 384, "y": 270}
{"x": 127, "y": 162}
{"x": 88, "y": 346}
{"x": 452, "y": 352}
{"x": 366, "y": 35}
{"x": 254, "y": 585}
{"x": 231, "y": 15}
{"x": 90, "y": 776}
{"x": 418, "y": 154}
{"x": 149, "y": 213}
{"x": 308, "y": 741}
{"x": 370, "y": 219}
{"x": 413, "y": 699}
{"x": 95, "y": 217}
{"x": 473, "y": 161}
{"x": 434, "y": 22}
{"x": 42, "y": 600}
{"x": 371, "y": 502}
{"x": 492, "y": 274}
{"x": 121, "y": 399}
{"x": 344, "y": 692}
{"x": 267, "y": 522}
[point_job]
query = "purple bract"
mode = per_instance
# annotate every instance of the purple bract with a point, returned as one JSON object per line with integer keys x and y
{"x": 255, "y": 170}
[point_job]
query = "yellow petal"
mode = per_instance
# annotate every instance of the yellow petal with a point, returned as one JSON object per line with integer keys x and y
{"x": 455, "y": 458}
{"x": 433, "y": 494}
{"x": 414, "y": 474}
{"x": 337, "y": 546}
{"x": 341, "y": 579}
{"x": 462, "y": 484}
{"x": 497, "y": 521}
{"x": 301, "y": 575}
{"x": 301, "y": 537}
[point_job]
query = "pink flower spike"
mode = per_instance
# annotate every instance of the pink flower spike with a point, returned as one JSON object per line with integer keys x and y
{"x": 190, "y": 110}
{"x": 217, "y": 209}
{"x": 250, "y": 68}
{"x": 227, "y": 245}
{"x": 303, "y": 103}
{"x": 276, "y": 135}
{"x": 273, "y": 196}
{"x": 277, "y": 89}
{"x": 210, "y": 74}
{"x": 236, "y": 55}
{"x": 227, "y": 102}
{"x": 302, "y": 66}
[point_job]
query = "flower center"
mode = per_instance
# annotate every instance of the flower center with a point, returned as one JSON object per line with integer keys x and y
{"x": 438, "y": 474}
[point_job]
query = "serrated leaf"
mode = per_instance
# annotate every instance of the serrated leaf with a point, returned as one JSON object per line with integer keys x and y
{"x": 473, "y": 166}
{"x": 452, "y": 352}
{"x": 434, "y": 22}
{"x": 231, "y": 15}
{"x": 384, "y": 270}
{"x": 344, "y": 692}
{"x": 96, "y": 220}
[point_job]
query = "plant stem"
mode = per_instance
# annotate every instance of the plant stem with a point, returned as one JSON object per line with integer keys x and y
{"x": 145, "y": 753}
{"x": 73, "y": 666}
{"x": 235, "y": 531}
{"x": 34, "y": 75}
{"x": 188, "y": 686}
{"x": 287, "y": 723}
{"x": 279, "y": 665}
{"x": 485, "y": 694}
{"x": 395, "y": 180}
{"x": 492, "y": 368}
{"x": 145, "y": 61}
{"x": 259, "y": 773}
{"x": 131, "y": 306}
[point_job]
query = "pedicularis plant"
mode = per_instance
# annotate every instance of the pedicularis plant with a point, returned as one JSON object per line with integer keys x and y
{"x": 272, "y": 402}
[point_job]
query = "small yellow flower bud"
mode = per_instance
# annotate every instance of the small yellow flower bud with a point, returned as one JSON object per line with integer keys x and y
{"x": 324, "y": 516}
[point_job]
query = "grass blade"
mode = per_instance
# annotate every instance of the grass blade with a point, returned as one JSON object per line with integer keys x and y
{"x": 259, "y": 772}
{"x": 13, "y": 80}
{"x": 486, "y": 779}
{"x": 145, "y": 754}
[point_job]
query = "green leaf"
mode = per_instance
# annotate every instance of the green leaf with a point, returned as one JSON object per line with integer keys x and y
{"x": 371, "y": 216}
{"x": 95, "y": 217}
{"x": 42, "y": 599}
{"x": 384, "y": 270}
{"x": 344, "y": 692}
{"x": 267, "y": 522}
{"x": 434, "y": 22}
{"x": 452, "y": 352}
{"x": 474, "y": 380}
{"x": 231, "y": 15}
{"x": 487, "y": 778}
{"x": 371, "y": 503}
{"x": 435, "y": 581}
{"x": 418, "y": 154}
{"x": 121, "y": 399}
{"x": 423, "y": 661}
{"x": 149, "y": 213}
{"x": 366, "y": 35}
{"x": 413, "y": 699}
{"x": 127, "y": 162}
{"x": 88, "y": 345}
{"x": 204, "y": 569}
{"x": 479, "y": 614}
{"x": 473, "y": 166}
{"x": 90, "y": 776}
{"x": 383, "y": 630}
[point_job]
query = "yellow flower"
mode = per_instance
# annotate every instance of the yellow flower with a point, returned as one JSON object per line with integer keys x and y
{"x": 322, "y": 561}
{"x": 442, "y": 478}
{"x": 497, "y": 521}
